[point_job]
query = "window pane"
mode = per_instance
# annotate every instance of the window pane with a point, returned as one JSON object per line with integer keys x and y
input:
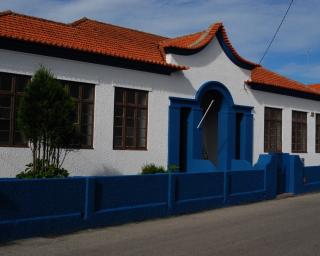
{"x": 86, "y": 140}
{"x": 87, "y": 93}
{"x": 4, "y": 137}
{"x": 129, "y": 141}
{"x": 87, "y": 109}
{"x": 4, "y": 113}
{"x": 117, "y": 141}
{"x": 4, "y": 125}
{"x": 19, "y": 138}
{"x": 142, "y": 113}
{"x": 129, "y": 132}
{"x": 131, "y": 97}
{"x": 119, "y": 95}
{"x": 21, "y": 83}
{"x": 273, "y": 130}
{"x": 142, "y": 142}
{"x": 130, "y": 122}
{"x": 118, "y": 121}
{"x": 299, "y": 132}
{"x": 142, "y": 133}
{"x": 142, "y": 98}
{"x": 5, "y": 101}
{"x": 130, "y": 113}
{"x": 74, "y": 91}
{"x": 87, "y": 114}
{"x": 118, "y": 111}
{"x": 75, "y": 114}
{"x": 118, "y": 131}
{"x": 5, "y": 82}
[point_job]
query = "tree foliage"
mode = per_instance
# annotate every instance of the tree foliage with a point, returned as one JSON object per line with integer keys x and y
{"x": 45, "y": 117}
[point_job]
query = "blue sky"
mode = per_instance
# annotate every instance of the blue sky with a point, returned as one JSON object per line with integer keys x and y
{"x": 250, "y": 24}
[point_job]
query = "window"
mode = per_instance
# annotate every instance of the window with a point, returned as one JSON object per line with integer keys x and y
{"x": 130, "y": 119}
{"x": 83, "y": 95}
{"x": 11, "y": 90}
{"x": 272, "y": 130}
{"x": 317, "y": 133}
{"x": 299, "y": 132}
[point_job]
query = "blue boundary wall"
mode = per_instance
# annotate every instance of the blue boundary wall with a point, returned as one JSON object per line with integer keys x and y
{"x": 299, "y": 178}
{"x": 40, "y": 207}
{"x": 37, "y": 207}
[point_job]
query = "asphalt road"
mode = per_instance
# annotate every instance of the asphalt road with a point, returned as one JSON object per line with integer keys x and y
{"x": 289, "y": 226}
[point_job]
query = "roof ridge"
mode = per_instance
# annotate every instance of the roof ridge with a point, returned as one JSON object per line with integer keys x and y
{"x": 6, "y": 12}
{"x": 179, "y": 37}
{"x": 205, "y": 34}
{"x": 9, "y": 12}
{"x": 77, "y": 22}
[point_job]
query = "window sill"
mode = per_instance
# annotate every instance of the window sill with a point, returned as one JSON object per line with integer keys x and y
{"x": 132, "y": 149}
{"x": 14, "y": 146}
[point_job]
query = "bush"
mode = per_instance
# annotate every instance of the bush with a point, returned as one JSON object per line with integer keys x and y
{"x": 152, "y": 169}
{"x": 50, "y": 171}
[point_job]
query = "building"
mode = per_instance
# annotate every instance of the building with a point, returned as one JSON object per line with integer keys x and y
{"x": 141, "y": 98}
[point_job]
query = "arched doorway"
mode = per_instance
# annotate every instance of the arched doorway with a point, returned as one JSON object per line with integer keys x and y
{"x": 210, "y": 105}
{"x": 210, "y": 142}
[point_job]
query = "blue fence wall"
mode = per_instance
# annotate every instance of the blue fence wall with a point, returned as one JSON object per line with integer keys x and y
{"x": 48, "y": 206}
{"x": 299, "y": 178}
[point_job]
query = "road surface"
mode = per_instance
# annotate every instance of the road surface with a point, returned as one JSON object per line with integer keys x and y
{"x": 288, "y": 226}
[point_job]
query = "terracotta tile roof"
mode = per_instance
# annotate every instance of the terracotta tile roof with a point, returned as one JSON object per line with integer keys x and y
{"x": 315, "y": 86}
{"x": 264, "y": 77}
{"x": 201, "y": 39}
{"x": 109, "y": 40}
{"x": 86, "y": 35}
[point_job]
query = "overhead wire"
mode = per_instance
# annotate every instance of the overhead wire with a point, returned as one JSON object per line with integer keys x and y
{"x": 275, "y": 34}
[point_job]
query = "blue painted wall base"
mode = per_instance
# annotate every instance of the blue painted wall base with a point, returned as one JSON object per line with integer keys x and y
{"x": 53, "y": 206}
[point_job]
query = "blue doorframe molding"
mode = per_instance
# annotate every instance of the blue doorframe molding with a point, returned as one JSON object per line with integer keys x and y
{"x": 226, "y": 131}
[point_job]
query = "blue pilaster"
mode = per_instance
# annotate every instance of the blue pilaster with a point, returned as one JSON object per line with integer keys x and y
{"x": 246, "y": 137}
{"x": 226, "y": 139}
{"x": 174, "y": 135}
{"x": 195, "y": 142}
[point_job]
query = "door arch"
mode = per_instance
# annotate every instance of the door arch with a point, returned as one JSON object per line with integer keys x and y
{"x": 214, "y": 144}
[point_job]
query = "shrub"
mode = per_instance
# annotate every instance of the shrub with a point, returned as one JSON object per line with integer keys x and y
{"x": 152, "y": 169}
{"x": 45, "y": 118}
{"x": 51, "y": 171}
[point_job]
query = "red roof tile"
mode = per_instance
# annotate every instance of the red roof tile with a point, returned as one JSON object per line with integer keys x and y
{"x": 315, "y": 86}
{"x": 86, "y": 35}
{"x": 262, "y": 76}
{"x": 202, "y": 39}
{"x": 109, "y": 40}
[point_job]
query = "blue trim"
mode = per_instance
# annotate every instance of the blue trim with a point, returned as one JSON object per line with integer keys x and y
{"x": 226, "y": 130}
{"x": 283, "y": 91}
{"x": 214, "y": 86}
{"x": 230, "y": 54}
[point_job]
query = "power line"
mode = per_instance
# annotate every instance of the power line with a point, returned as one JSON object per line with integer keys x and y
{"x": 275, "y": 34}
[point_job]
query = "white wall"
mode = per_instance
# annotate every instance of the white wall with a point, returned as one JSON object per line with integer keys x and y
{"x": 211, "y": 64}
{"x": 102, "y": 160}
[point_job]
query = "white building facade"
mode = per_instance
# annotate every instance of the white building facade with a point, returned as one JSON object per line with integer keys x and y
{"x": 147, "y": 111}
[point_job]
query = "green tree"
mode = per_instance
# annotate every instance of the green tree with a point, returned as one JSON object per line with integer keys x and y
{"x": 45, "y": 118}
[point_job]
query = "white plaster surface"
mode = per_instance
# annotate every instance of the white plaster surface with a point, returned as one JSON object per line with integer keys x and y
{"x": 211, "y": 64}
